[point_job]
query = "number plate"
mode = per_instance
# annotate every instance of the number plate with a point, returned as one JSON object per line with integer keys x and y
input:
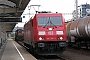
{"x": 50, "y": 33}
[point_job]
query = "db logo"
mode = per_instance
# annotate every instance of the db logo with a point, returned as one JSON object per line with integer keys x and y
{"x": 50, "y": 33}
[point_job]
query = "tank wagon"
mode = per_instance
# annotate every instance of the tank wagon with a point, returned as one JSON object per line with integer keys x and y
{"x": 19, "y": 35}
{"x": 79, "y": 33}
{"x": 45, "y": 34}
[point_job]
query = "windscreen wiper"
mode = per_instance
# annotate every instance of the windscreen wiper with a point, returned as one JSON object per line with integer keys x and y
{"x": 53, "y": 24}
{"x": 46, "y": 24}
{"x": 49, "y": 21}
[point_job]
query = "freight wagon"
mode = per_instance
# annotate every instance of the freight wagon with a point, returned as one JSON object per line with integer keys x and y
{"x": 78, "y": 33}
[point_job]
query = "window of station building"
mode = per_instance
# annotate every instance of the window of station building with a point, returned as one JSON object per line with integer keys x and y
{"x": 83, "y": 6}
{"x": 83, "y": 15}
{"x": 83, "y": 10}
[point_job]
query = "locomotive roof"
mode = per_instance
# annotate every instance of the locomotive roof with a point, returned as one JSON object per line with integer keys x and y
{"x": 45, "y": 15}
{"x": 48, "y": 14}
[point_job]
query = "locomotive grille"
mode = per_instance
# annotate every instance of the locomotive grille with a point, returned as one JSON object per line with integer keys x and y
{"x": 51, "y": 46}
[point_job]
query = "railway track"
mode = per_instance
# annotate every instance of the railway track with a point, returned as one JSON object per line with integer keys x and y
{"x": 69, "y": 54}
{"x": 40, "y": 57}
{"x": 81, "y": 51}
{"x": 22, "y": 44}
{"x": 50, "y": 57}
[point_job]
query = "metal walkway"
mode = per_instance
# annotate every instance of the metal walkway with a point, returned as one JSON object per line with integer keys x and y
{"x": 13, "y": 51}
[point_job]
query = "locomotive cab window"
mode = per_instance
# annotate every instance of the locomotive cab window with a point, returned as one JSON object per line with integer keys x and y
{"x": 49, "y": 21}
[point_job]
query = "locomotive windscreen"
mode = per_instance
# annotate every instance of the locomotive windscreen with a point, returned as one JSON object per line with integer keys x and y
{"x": 49, "y": 21}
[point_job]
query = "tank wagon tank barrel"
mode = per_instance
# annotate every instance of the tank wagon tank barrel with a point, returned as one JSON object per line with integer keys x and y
{"x": 78, "y": 32}
{"x": 80, "y": 27}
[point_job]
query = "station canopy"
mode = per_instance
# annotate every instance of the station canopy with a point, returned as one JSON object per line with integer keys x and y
{"x": 10, "y": 12}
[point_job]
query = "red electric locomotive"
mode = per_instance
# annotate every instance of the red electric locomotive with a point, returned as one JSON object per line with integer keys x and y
{"x": 45, "y": 34}
{"x": 19, "y": 35}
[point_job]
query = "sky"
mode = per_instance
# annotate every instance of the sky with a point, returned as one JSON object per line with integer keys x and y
{"x": 61, "y": 6}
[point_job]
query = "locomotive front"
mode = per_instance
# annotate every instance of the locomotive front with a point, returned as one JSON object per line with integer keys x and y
{"x": 49, "y": 34}
{"x": 19, "y": 35}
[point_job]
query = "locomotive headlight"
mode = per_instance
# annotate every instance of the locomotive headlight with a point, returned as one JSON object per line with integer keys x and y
{"x": 40, "y": 38}
{"x": 41, "y": 33}
{"x": 61, "y": 38}
{"x": 59, "y": 32}
{"x": 50, "y": 28}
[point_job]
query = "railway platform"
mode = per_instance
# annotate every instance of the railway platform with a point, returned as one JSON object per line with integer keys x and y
{"x": 13, "y": 51}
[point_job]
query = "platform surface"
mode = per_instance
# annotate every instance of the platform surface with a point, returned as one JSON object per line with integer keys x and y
{"x": 13, "y": 51}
